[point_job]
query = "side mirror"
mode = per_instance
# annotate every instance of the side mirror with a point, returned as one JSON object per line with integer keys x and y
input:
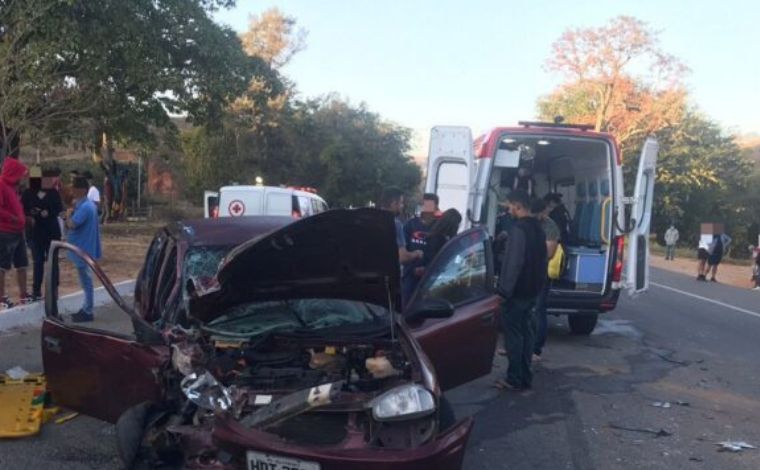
{"x": 431, "y": 308}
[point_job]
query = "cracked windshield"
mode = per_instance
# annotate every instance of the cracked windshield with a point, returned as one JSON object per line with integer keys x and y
{"x": 455, "y": 235}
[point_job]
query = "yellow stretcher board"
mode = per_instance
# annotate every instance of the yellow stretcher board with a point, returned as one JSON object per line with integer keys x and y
{"x": 22, "y": 405}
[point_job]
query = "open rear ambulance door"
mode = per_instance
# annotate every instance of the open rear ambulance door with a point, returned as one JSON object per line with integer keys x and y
{"x": 451, "y": 169}
{"x": 637, "y": 273}
{"x": 210, "y": 203}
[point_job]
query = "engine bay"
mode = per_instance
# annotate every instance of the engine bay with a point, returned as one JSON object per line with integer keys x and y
{"x": 278, "y": 364}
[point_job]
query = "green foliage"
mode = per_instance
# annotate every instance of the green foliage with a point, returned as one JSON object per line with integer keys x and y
{"x": 702, "y": 176}
{"x": 347, "y": 152}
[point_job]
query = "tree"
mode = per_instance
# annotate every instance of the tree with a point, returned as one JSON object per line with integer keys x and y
{"x": 702, "y": 176}
{"x": 38, "y": 91}
{"x": 603, "y": 88}
{"x": 274, "y": 38}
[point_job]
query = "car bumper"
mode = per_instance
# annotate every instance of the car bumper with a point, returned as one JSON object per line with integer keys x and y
{"x": 565, "y": 303}
{"x": 444, "y": 452}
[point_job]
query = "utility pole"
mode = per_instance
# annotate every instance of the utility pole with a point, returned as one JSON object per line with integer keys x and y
{"x": 139, "y": 180}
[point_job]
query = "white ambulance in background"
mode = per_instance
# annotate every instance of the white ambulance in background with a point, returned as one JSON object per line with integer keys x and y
{"x": 586, "y": 168}
{"x": 239, "y": 201}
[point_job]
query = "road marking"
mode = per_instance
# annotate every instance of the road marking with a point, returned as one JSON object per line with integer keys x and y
{"x": 716, "y": 302}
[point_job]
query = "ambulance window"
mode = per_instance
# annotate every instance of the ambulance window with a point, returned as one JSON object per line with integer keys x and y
{"x": 278, "y": 204}
{"x": 305, "y": 206}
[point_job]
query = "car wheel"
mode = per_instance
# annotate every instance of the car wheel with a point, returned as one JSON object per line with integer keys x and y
{"x": 129, "y": 435}
{"x": 446, "y": 417}
{"x": 582, "y": 324}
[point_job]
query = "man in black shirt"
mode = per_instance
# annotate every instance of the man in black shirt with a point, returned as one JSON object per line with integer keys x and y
{"x": 415, "y": 234}
{"x": 523, "y": 274}
{"x": 42, "y": 207}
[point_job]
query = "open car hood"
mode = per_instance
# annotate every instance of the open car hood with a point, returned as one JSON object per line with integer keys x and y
{"x": 338, "y": 254}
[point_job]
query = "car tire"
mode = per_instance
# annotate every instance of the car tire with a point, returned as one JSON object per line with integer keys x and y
{"x": 582, "y": 324}
{"x": 130, "y": 429}
{"x": 446, "y": 416}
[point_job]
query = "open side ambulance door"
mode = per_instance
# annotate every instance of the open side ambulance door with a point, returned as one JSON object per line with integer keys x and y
{"x": 210, "y": 204}
{"x": 451, "y": 169}
{"x": 637, "y": 273}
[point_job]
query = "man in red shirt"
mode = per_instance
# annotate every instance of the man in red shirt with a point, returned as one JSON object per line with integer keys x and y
{"x": 12, "y": 219}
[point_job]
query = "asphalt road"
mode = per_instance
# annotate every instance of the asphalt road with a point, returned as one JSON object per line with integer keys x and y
{"x": 684, "y": 341}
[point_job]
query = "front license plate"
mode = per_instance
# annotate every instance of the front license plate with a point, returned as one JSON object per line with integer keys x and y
{"x": 259, "y": 461}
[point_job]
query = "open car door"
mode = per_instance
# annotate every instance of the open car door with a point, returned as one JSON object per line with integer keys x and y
{"x": 106, "y": 367}
{"x": 210, "y": 204}
{"x": 637, "y": 272}
{"x": 460, "y": 347}
{"x": 451, "y": 168}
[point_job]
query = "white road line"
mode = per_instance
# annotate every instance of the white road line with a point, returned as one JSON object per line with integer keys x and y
{"x": 716, "y": 302}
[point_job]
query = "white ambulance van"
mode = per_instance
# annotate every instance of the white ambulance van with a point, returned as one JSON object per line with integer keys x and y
{"x": 240, "y": 201}
{"x": 586, "y": 168}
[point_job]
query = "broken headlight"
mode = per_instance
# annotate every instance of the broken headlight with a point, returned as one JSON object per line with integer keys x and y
{"x": 205, "y": 391}
{"x": 404, "y": 402}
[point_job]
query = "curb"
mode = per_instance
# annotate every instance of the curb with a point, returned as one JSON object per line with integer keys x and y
{"x": 32, "y": 314}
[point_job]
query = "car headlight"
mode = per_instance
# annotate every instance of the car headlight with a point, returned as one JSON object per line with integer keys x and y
{"x": 404, "y": 402}
{"x": 205, "y": 391}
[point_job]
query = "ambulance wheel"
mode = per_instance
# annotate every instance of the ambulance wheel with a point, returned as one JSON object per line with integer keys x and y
{"x": 582, "y": 323}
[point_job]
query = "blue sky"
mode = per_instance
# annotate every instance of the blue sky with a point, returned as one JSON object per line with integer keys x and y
{"x": 480, "y": 63}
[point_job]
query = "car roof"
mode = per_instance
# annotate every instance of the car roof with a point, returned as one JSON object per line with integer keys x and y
{"x": 225, "y": 230}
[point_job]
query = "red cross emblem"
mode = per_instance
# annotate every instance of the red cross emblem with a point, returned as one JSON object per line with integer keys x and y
{"x": 236, "y": 208}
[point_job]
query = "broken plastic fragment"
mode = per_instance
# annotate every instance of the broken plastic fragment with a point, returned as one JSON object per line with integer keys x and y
{"x": 661, "y": 404}
{"x": 380, "y": 367}
{"x": 16, "y": 373}
{"x": 206, "y": 392}
{"x": 733, "y": 446}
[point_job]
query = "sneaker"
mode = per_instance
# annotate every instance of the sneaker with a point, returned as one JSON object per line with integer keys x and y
{"x": 26, "y": 299}
{"x": 756, "y": 288}
{"x": 6, "y": 303}
{"x": 712, "y": 279}
{"x": 701, "y": 277}
{"x": 81, "y": 317}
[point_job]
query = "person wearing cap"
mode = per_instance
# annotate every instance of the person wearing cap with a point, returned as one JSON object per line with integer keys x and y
{"x": 84, "y": 233}
{"x": 93, "y": 194}
{"x": 12, "y": 220}
{"x": 42, "y": 207}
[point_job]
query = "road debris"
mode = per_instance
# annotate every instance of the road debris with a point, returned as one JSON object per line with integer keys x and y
{"x": 733, "y": 446}
{"x": 17, "y": 373}
{"x": 666, "y": 358}
{"x": 660, "y": 433}
{"x": 66, "y": 418}
{"x": 667, "y": 404}
{"x": 661, "y": 404}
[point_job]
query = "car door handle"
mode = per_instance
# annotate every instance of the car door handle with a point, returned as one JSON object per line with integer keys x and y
{"x": 52, "y": 344}
{"x": 488, "y": 319}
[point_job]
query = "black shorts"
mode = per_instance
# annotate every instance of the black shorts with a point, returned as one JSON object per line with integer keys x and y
{"x": 9, "y": 250}
{"x": 702, "y": 254}
{"x": 715, "y": 260}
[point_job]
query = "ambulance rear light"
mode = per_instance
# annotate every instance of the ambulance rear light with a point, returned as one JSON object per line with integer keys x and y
{"x": 617, "y": 270}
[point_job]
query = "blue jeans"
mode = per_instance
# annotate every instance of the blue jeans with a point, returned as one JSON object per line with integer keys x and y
{"x": 670, "y": 252}
{"x": 85, "y": 280}
{"x": 519, "y": 338}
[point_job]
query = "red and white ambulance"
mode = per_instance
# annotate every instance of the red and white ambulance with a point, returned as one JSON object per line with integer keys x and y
{"x": 586, "y": 168}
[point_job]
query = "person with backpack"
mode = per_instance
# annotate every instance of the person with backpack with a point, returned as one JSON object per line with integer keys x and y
{"x": 717, "y": 249}
{"x": 552, "y": 234}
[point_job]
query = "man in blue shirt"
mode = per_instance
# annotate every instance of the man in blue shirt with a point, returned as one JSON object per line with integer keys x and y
{"x": 84, "y": 233}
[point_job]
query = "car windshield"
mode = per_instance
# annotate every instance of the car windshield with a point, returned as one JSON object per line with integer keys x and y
{"x": 301, "y": 316}
{"x": 202, "y": 261}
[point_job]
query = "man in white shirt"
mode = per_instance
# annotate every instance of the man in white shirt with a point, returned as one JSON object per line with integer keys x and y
{"x": 93, "y": 194}
{"x": 671, "y": 238}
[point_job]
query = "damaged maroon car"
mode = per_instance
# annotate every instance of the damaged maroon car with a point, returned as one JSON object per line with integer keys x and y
{"x": 292, "y": 356}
